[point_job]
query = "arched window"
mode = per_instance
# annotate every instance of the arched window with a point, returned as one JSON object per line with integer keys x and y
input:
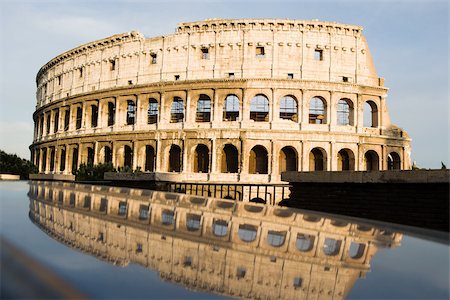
{"x": 52, "y": 159}
{"x": 150, "y": 158}
{"x": 152, "y": 112}
{"x": 167, "y": 217}
{"x": 317, "y": 160}
{"x": 276, "y": 238}
{"x": 346, "y": 160}
{"x": 94, "y": 116}
{"x": 331, "y": 247}
{"x": 62, "y": 160}
{"x": 288, "y": 159}
{"x": 131, "y": 112}
{"x": 56, "y": 123}
{"x": 230, "y": 159}
{"x": 356, "y": 250}
{"x": 74, "y": 160}
{"x": 372, "y": 160}
{"x": 66, "y": 119}
{"x": 370, "y": 114}
{"x": 47, "y": 131}
{"x": 247, "y": 232}
{"x": 317, "y": 111}
{"x": 203, "y": 109}
{"x": 90, "y": 155}
{"x": 193, "y": 222}
{"x": 304, "y": 242}
{"x": 177, "y": 110}
{"x": 258, "y": 163}
{"x": 128, "y": 157}
{"x": 220, "y": 228}
{"x": 108, "y": 154}
{"x": 41, "y": 127}
{"x": 201, "y": 159}
{"x": 259, "y": 108}
{"x": 44, "y": 159}
{"x": 231, "y": 108}
{"x": 394, "y": 161}
{"x": 345, "y": 112}
{"x": 288, "y": 108}
{"x": 175, "y": 159}
{"x": 111, "y": 113}
{"x": 79, "y": 117}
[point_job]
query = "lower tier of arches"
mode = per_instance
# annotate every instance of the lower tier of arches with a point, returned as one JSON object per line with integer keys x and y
{"x": 255, "y": 160}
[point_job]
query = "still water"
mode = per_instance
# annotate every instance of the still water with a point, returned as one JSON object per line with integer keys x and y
{"x": 109, "y": 242}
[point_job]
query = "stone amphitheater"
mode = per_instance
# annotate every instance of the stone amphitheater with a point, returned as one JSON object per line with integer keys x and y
{"x": 219, "y": 101}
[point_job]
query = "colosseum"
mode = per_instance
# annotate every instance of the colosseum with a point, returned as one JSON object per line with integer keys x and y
{"x": 219, "y": 101}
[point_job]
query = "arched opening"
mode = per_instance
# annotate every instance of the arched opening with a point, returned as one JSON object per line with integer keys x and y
{"x": 258, "y": 200}
{"x": 356, "y": 250}
{"x": 94, "y": 116}
{"x": 150, "y": 158}
{"x": 90, "y": 155}
{"x": 128, "y": 157}
{"x": 259, "y": 108}
{"x": 52, "y": 159}
{"x": 44, "y": 159}
{"x": 220, "y": 228}
{"x": 288, "y": 159}
{"x": 247, "y": 232}
{"x": 56, "y": 122}
{"x": 304, "y": 242}
{"x": 201, "y": 159}
{"x": 258, "y": 163}
{"x": 394, "y": 161}
{"x": 131, "y": 112}
{"x": 177, "y": 110}
{"x": 345, "y": 160}
{"x": 276, "y": 238}
{"x": 317, "y": 160}
{"x": 345, "y": 112}
{"x": 62, "y": 160}
{"x": 331, "y": 247}
{"x": 370, "y": 114}
{"x": 79, "y": 117}
{"x": 230, "y": 159}
{"x": 74, "y": 160}
{"x": 288, "y": 108}
{"x": 111, "y": 113}
{"x": 49, "y": 116}
{"x": 231, "y": 108}
{"x": 371, "y": 160}
{"x": 317, "y": 111}
{"x": 152, "y": 112}
{"x": 175, "y": 159}
{"x": 203, "y": 109}
{"x": 108, "y": 154}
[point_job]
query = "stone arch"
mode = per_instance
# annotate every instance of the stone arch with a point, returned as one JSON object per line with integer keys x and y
{"x": 370, "y": 114}
{"x": 317, "y": 110}
{"x": 289, "y": 108}
{"x": 259, "y": 108}
{"x": 231, "y": 108}
{"x": 150, "y": 158}
{"x": 203, "y": 112}
{"x": 177, "y": 110}
{"x": 372, "y": 161}
{"x": 394, "y": 161}
{"x": 230, "y": 159}
{"x": 127, "y": 156}
{"x": 288, "y": 160}
{"x": 258, "y": 162}
{"x": 201, "y": 159}
{"x": 317, "y": 159}
{"x": 175, "y": 158}
{"x": 345, "y": 160}
{"x": 345, "y": 112}
{"x": 152, "y": 111}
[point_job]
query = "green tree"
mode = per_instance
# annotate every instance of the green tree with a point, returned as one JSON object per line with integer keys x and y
{"x": 12, "y": 164}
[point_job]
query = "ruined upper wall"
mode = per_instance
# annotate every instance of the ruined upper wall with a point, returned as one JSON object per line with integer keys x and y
{"x": 213, "y": 49}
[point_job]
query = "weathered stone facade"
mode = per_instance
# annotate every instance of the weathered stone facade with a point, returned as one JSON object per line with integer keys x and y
{"x": 219, "y": 101}
{"x": 246, "y": 250}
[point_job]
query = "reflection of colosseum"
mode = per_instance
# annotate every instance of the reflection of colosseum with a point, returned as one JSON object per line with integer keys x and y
{"x": 219, "y": 100}
{"x": 232, "y": 248}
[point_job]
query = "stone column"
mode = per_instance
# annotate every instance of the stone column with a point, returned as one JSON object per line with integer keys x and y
{"x": 187, "y": 109}
{"x": 135, "y": 154}
{"x": 159, "y": 155}
{"x": 245, "y": 107}
{"x": 213, "y": 156}
{"x": 305, "y": 108}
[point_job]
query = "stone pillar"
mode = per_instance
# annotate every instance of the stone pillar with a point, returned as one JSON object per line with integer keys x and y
{"x": 359, "y": 113}
{"x": 159, "y": 155}
{"x": 135, "y": 154}
{"x": 305, "y": 108}
{"x": 95, "y": 152}
{"x": 272, "y": 108}
{"x": 187, "y": 109}
{"x": 245, "y": 107}
{"x": 216, "y": 119}
{"x": 331, "y": 111}
{"x": 213, "y": 156}
{"x": 184, "y": 163}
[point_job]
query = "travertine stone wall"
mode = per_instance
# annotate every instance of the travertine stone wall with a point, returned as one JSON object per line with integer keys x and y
{"x": 217, "y": 58}
{"x": 248, "y": 261}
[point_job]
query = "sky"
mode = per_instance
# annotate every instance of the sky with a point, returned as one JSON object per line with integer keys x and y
{"x": 409, "y": 42}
